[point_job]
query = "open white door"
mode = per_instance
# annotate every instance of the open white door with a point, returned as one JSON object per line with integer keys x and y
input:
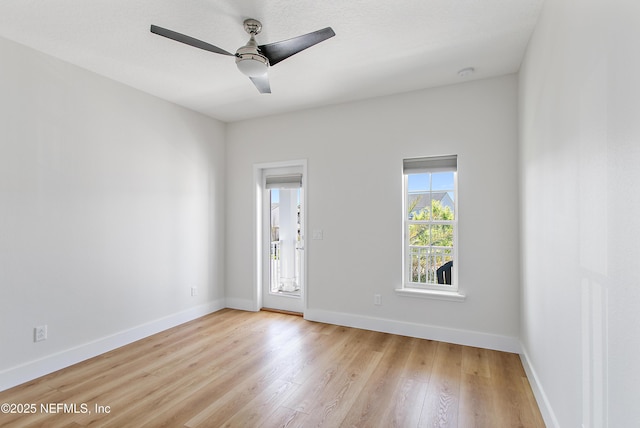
{"x": 283, "y": 238}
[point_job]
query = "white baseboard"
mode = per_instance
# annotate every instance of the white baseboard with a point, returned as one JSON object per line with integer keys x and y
{"x": 543, "y": 402}
{"x": 33, "y": 369}
{"x": 422, "y": 331}
{"x": 242, "y": 304}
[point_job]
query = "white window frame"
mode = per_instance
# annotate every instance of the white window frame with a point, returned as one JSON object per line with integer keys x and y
{"x": 452, "y": 292}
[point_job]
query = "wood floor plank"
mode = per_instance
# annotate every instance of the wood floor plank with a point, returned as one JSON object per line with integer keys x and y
{"x": 245, "y": 390}
{"x": 333, "y": 365}
{"x": 244, "y": 369}
{"x": 441, "y": 404}
{"x": 244, "y": 366}
{"x": 282, "y": 417}
{"x": 333, "y": 403}
{"x": 421, "y": 358}
{"x": 316, "y": 354}
{"x": 405, "y": 404}
{"x": 536, "y": 416}
{"x": 372, "y": 404}
{"x": 475, "y": 361}
{"x": 260, "y": 407}
{"x": 476, "y": 402}
{"x": 510, "y": 399}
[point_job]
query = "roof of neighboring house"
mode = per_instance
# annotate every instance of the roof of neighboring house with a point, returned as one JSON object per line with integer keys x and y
{"x": 443, "y": 197}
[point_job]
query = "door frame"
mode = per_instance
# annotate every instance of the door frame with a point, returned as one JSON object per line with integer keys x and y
{"x": 259, "y": 193}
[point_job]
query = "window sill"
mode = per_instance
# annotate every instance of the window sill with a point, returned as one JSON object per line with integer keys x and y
{"x": 452, "y": 296}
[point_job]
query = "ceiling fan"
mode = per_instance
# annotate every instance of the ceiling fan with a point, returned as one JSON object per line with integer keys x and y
{"x": 253, "y": 60}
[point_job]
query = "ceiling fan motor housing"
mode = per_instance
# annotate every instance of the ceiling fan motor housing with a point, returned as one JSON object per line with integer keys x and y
{"x": 250, "y": 61}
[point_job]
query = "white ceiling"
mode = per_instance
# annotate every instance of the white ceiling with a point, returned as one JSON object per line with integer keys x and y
{"x": 381, "y": 47}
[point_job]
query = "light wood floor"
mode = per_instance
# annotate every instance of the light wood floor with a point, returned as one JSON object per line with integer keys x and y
{"x": 244, "y": 369}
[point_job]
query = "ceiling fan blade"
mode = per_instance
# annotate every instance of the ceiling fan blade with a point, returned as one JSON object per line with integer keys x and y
{"x": 187, "y": 40}
{"x": 262, "y": 83}
{"x": 279, "y": 51}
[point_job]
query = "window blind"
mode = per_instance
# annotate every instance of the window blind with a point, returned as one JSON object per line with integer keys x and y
{"x": 289, "y": 181}
{"x": 430, "y": 164}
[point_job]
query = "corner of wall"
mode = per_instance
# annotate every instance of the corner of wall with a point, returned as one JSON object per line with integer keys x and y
{"x": 536, "y": 386}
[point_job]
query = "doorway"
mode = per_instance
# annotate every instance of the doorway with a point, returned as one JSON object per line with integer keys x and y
{"x": 281, "y": 243}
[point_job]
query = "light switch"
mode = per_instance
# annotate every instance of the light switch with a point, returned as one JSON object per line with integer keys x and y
{"x": 318, "y": 234}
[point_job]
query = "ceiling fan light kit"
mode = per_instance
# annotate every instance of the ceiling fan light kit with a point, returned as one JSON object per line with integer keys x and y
{"x": 253, "y": 60}
{"x": 252, "y": 65}
{"x": 249, "y": 60}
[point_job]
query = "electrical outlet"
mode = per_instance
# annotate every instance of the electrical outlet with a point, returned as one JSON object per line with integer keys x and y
{"x": 40, "y": 333}
{"x": 194, "y": 291}
{"x": 377, "y": 300}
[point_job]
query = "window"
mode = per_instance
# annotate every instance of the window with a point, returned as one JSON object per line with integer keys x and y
{"x": 430, "y": 223}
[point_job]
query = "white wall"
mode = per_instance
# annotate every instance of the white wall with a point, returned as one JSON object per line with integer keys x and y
{"x": 580, "y": 182}
{"x": 111, "y": 209}
{"x": 354, "y": 154}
